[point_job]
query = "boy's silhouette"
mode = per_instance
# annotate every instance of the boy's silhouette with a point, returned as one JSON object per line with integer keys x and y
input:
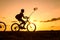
{"x": 19, "y": 17}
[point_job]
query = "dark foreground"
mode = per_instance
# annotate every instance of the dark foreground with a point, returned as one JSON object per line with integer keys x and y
{"x": 39, "y": 35}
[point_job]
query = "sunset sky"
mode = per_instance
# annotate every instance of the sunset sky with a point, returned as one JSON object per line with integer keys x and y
{"x": 47, "y": 17}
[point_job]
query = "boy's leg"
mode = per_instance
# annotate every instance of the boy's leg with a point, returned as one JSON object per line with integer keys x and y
{"x": 23, "y": 22}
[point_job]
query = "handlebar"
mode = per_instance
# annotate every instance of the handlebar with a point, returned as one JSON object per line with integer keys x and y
{"x": 26, "y": 17}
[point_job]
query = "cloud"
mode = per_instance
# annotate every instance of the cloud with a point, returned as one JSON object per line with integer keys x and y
{"x": 3, "y": 17}
{"x": 53, "y": 19}
{"x": 35, "y": 20}
{"x": 13, "y": 21}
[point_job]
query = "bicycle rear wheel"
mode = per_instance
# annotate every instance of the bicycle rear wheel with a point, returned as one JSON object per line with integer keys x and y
{"x": 2, "y": 26}
{"x": 31, "y": 27}
{"x": 15, "y": 27}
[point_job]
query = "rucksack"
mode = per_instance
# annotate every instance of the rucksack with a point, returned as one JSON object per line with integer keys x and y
{"x": 17, "y": 16}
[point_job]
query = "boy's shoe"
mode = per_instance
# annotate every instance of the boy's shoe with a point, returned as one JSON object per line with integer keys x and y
{"x": 23, "y": 27}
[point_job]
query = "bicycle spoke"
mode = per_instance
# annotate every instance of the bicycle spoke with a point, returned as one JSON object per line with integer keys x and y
{"x": 31, "y": 27}
{"x": 2, "y": 26}
{"x": 15, "y": 27}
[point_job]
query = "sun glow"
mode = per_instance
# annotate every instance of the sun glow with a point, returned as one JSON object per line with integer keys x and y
{"x": 47, "y": 10}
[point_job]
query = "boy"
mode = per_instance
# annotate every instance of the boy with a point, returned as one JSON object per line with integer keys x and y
{"x": 19, "y": 17}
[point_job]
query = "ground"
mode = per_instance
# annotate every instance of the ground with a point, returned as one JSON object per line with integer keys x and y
{"x": 38, "y": 35}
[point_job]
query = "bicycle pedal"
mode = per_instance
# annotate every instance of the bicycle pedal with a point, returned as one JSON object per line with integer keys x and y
{"x": 22, "y": 28}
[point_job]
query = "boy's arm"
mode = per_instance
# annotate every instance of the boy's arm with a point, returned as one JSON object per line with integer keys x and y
{"x": 23, "y": 16}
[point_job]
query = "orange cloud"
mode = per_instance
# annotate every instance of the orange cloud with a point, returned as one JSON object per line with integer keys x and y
{"x": 53, "y": 19}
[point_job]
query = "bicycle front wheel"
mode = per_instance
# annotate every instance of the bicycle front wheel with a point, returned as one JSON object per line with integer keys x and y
{"x": 31, "y": 27}
{"x": 15, "y": 27}
{"x": 2, "y": 26}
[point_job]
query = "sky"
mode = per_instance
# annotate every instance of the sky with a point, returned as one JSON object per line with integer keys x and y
{"x": 47, "y": 17}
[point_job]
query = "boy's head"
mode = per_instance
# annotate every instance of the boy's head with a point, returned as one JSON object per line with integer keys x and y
{"x": 22, "y": 10}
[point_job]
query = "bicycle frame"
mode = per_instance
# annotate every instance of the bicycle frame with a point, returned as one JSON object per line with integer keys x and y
{"x": 27, "y": 21}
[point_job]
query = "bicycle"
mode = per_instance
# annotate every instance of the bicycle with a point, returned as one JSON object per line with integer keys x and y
{"x": 2, "y": 26}
{"x": 29, "y": 26}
